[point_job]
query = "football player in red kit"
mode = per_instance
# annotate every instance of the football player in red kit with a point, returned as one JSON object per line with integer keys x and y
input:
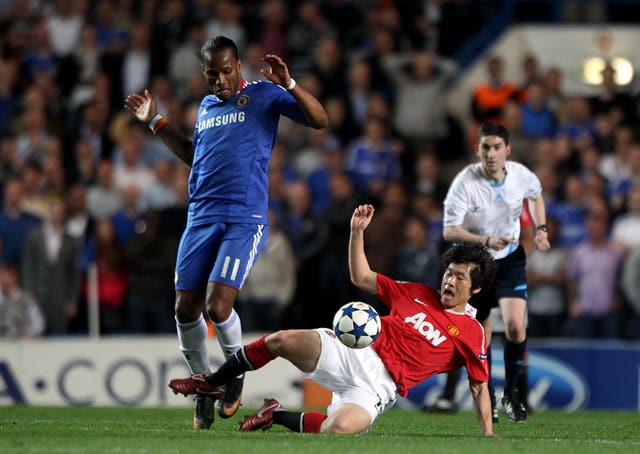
{"x": 427, "y": 332}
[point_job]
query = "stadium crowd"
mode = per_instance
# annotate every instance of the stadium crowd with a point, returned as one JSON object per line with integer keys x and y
{"x": 84, "y": 184}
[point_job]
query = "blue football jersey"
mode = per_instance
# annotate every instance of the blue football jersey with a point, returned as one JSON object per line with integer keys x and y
{"x": 232, "y": 145}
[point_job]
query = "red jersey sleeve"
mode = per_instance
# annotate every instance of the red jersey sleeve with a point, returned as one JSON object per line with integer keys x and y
{"x": 474, "y": 351}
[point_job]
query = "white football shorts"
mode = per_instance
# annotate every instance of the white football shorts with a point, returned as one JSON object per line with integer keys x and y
{"x": 353, "y": 375}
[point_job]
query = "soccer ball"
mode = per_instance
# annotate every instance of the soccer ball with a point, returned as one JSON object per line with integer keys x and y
{"x": 356, "y": 324}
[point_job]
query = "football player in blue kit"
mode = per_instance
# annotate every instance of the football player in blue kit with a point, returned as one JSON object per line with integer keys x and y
{"x": 235, "y": 131}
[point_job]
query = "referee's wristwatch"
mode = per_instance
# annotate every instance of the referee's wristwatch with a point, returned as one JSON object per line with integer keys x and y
{"x": 543, "y": 227}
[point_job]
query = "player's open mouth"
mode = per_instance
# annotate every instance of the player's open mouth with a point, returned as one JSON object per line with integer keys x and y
{"x": 448, "y": 293}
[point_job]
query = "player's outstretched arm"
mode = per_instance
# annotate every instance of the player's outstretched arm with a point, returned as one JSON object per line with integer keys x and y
{"x": 143, "y": 107}
{"x": 361, "y": 274}
{"x": 482, "y": 403}
{"x": 278, "y": 73}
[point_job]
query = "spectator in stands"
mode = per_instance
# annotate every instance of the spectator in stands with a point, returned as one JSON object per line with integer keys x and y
{"x": 305, "y": 32}
{"x": 570, "y": 212}
{"x": 79, "y": 224}
{"x": 86, "y": 65}
{"x": 93, "y": 125}
{"x": 427, "y": 208}
{"x": 129, "y": 217}
{"x": 129, "y": 169}
{"x": 112, "y": 274}
{"x": 621, "y": 190}
{"x": 20, "y": 316}
{"x": 614, "y": 165}
{"x": 150, "y": 255}
{"x": 531, "y": 74}
{"x": 308, "y": 235}
{"x": 269, "y": 287}
{"x": 319, "y": 180}
{"x": 183, "y": 60}
{"x": 10, "y": 162}
{"x": 34, "y": 199}
{"x": 382, "y": 44}
{"x": 416, "y": 259}
{"x": 171, "y": 30}
{"x": 553, "y": 83}
{"x": 329, "y": 66}
{"x": 419, "y": 82}
{"x": 9, "y": 99}
{"x": 273, "y": 36}
{"x": 579, "y": 123}
{"x": 357, "y": 93}
{"x": 630, "y": 283}
{"x": 161, "y": 193}
{"x": 32, "y": 140}
{"x": 626, "y": 227}
{"x": 546, "y": 277}
{"x": 335, "y": 269}
{"x": 372, "y": 159}
{"x": 428, "y": 177}
{"x": 252, "y": 61}
{"x": 50, "y": 271}
{"x": 39, "y": 57}
{"x": 386, "y": 230}
{"x": 489, "y": 98}
{"x": 538, "y": 120}
{"x": 522, "y": 144}
{"x": 136, "y": 60}
{"x": 84, "y": 165}
{"x": 15, "y": 223}
{"x": 612, "y": 99}
{"x": 225, "y": 21}
{"x": 593, "y": 271}
{"x": 103, "y": 199}
{"x": 64, "y": 25}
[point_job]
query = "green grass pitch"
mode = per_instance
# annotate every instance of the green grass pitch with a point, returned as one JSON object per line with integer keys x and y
{"x": 137, "y": 430}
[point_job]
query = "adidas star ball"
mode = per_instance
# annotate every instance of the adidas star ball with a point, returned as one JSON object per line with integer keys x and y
{"x": 356, "y": 324}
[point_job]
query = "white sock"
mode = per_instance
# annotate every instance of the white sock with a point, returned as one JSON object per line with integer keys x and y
{"x": 229, "y": 334}
{"x": 193, "y": 345}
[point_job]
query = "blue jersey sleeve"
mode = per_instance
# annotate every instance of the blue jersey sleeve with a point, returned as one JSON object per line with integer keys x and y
{"x": 285, "y": 104}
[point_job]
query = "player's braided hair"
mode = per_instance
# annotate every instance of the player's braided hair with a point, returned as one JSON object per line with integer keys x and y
{"x": 493, "y": 129}
{"x": 483, "y": 273}
{"x": 218, "y": 43}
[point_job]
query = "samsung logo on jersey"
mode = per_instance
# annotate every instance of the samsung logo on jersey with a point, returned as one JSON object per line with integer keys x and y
{"x": 221, "y": 120}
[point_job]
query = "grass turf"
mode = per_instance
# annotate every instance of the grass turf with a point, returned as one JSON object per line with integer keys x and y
{"x": 138, "y": 430}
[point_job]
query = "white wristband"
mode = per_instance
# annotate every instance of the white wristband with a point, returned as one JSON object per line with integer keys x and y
{"x": 153, "y": 121}
{"x": 291, "y": 85}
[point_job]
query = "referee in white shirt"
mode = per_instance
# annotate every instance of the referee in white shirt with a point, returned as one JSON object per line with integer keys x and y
{"x": 483, "y": 204}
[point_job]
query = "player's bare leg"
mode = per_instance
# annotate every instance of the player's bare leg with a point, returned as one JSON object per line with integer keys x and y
{"x": 513, "y": 314}
{"x": 348, "y": 418}
{"x": 301, "y": 347}
{"x": 219, "y": 301}
{"x": 192, "y": 334}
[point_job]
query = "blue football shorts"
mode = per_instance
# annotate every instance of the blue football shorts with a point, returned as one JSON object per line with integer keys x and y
{"x": 219, "y": 252}
{"x": 510, "y": 282}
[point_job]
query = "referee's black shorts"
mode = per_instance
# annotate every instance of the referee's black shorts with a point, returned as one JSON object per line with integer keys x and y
{"x": 510, "y": 282}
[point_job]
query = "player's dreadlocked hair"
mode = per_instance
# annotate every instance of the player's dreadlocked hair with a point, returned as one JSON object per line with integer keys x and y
{"x": 482, "y": 273}
{"x": 493, "y": 129}
{"x": 218, "y": 43}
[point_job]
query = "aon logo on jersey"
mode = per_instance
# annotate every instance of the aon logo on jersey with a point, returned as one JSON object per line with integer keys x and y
{"x": 420, "y": 323}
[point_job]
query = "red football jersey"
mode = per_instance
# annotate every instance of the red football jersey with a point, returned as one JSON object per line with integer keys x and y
{"x": 421, "y": 338}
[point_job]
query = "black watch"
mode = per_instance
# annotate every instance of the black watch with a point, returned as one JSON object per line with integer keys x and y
{"x": 543, "y": 227}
